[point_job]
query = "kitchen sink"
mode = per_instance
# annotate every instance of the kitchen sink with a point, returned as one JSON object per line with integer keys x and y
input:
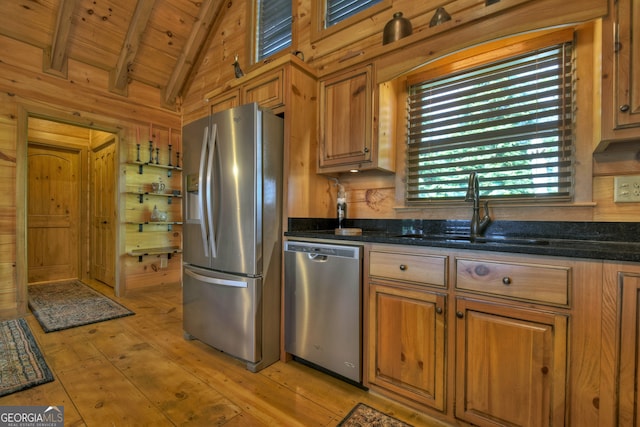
{"x": 504, "y": 240}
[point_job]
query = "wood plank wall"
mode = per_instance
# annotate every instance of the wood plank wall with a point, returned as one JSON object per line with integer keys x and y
{"x": 83, "y": 99}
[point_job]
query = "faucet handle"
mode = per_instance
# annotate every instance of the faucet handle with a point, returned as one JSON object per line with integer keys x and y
{"x": 486, "y": 208}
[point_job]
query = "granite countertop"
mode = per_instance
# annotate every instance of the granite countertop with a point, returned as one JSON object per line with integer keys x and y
{"x": 590, "y": 240}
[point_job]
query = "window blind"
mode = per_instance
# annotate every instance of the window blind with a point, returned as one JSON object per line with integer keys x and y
{"x": 274, "y": 27}
{"x": 510, "y": 121}
{"x": 338, "y": 10}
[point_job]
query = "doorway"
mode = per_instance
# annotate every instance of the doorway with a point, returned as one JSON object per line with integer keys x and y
{"x": 71, "y": 203}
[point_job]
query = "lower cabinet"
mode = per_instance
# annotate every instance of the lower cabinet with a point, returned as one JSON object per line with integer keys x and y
{"x": 488, "y": 339}
{"x": 407, "y": 343}
{"x": 623, "y": 284}
{"x": 510, "y": 365}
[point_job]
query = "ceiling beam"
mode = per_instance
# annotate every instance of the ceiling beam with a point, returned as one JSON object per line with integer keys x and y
{"x": 119, "y": 76}
{"x": 56, "y": 56}
{"x": 193, "y": 47}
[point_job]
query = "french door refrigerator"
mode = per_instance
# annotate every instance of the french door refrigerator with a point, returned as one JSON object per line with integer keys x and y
{"x": 232, "y": 167}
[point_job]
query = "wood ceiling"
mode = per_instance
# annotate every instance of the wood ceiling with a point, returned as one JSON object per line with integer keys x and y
{"x": 154, "y": 42}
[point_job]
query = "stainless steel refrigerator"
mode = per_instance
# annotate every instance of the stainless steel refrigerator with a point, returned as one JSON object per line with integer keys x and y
{"x": 232, "y": 167}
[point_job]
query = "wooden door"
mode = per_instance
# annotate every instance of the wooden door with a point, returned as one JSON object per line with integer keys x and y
{"x": 346, "y": 120}
{"x": 629, "y": 376}
{"x": 103, "y": 213}
{"x": 510, "y": 365}
{"x": 53, "y": 213}
{"x": 407, "y": 353}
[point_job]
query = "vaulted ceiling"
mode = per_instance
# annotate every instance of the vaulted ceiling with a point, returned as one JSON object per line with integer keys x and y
{"x": 155, "y": 42}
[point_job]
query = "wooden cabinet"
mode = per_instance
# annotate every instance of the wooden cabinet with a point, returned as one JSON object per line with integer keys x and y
{"x": 489, "y": 338}
{"x": 224, "y": 101}
{"x": 620, "y": 73}
{"x": 510, "y": 364}
{"x": 629, "y": 378}
{"x": 407, "y": 353}
{"x": 268, "y": 90}
{"x": 349, "y": 137}
{"x": 346, "y": 125}
{"x": 621, "y": 297}
{"x": 407, "y": 325}
{"x": 511, "y": 359}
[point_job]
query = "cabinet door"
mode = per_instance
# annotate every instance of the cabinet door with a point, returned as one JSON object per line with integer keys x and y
{"x": 346, "y": 105}
{"x": 267, "y": 91}
{"x": 510, "y": 365}
{"x": 629, "y": 410}
{"x": 407, "y": 343}
{"x": 621, "y": 76}
{"x": 224, "y": 101}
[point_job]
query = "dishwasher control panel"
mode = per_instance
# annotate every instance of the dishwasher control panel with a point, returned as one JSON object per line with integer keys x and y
{"x": 322, "y": 249}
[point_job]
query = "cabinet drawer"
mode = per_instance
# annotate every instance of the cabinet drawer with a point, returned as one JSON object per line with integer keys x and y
{"x": 543, "y": 283}
{"x": 408, "y": 267}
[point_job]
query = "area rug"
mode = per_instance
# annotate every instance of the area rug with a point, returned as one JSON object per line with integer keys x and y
{"x": 65, "y": 305}
{"x": 363, "y": 415}
{"x": 21, "y": 363}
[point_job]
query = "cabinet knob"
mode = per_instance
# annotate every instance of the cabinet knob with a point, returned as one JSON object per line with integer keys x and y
{"x": 439, "y": 310}
{"x": 617, "y": 47}
{"x": 403, "y": 267}
{"x": 459, "y": 314}
{"x": 105, "y": 222}
{"x": 366, "y": 149}
{"x": 624, "y": 108}
{"x": 506, "y": 280}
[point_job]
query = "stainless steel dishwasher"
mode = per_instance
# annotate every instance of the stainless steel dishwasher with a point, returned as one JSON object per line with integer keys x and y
{"x": 323, "y": 307}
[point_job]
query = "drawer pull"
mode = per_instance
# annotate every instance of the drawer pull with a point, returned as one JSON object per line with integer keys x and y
{"x": 459, "y": 314}
{"x": 439, "y": 310}
{"x": 506, "y": 280}
{"x": 403, "y": 267}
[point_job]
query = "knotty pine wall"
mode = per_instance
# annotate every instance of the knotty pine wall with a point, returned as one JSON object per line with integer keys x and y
{"x": 376, "y": 195}
{"x": 81, "y": 100}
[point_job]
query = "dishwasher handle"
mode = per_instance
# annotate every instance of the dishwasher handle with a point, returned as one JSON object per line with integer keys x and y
{"x": 318, "y": 257}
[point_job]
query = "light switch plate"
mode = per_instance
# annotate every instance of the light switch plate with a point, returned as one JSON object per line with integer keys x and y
{"x": 626, "y": 189}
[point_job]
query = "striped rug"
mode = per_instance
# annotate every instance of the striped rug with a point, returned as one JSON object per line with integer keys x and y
{"x": 65, "y": 305}
{"x": 22, "y": 365}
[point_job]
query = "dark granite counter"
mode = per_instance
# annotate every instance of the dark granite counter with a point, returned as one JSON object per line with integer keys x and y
{"x": 591, "y": 240}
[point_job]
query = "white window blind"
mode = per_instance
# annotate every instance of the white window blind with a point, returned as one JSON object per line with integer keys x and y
{"x": 510, "y": 121}
{"x": 338, "y": 10}
{"x": 274, "y": 27}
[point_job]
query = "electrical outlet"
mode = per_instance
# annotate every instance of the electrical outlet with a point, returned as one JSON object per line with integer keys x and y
{"x": 164, "y": 261}
{"x": 626, "y": 189}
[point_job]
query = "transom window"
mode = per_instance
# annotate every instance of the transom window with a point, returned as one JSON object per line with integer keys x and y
{"x": 339, "y": 10}
{"x": 510, "y": 121}
{"x": 274, "y": 27}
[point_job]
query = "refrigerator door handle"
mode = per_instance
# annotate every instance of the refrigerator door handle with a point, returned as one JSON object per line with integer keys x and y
{"x": 214, "y": 280}
{"x": 212, "y": 149}
{"x": 201, "y": 195}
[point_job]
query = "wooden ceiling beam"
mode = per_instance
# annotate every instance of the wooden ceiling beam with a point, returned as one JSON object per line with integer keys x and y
{"x": 193, "y": 47}
{"x": 55, "y": 57}
{"x": 119, "y": 76}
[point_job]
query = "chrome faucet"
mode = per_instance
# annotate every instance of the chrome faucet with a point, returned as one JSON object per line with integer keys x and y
{"x": 478, "y": 225}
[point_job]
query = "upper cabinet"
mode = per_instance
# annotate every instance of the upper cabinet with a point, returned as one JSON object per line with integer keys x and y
{"x": 620, "y": 76}
{"x": 349, "y": 131}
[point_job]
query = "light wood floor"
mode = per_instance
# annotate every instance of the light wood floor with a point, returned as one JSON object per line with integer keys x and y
{"x": 139, "y": 371}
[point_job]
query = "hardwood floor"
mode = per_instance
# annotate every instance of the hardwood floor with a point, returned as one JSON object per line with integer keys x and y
{"x": 140, "y": 371}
